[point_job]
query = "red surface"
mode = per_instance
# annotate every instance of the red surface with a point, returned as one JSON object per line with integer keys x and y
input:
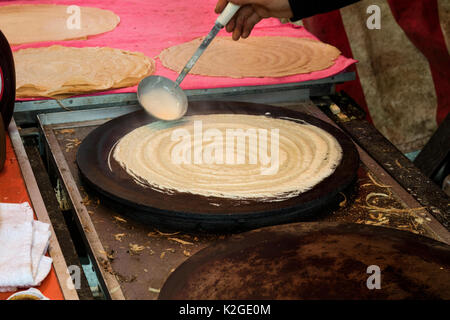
{"x": 420, "y": 21}
{"x": 149, "y": 26}
{"x": 13, "y": 190}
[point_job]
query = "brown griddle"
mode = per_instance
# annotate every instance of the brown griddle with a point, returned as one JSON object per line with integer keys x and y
{"x": 314, "y": 261}
{"x": 7, "y": 81}
{"x": 190, "y": 212}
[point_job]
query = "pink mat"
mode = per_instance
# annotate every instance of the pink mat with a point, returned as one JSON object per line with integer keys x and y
{"x": 149, "y": 26}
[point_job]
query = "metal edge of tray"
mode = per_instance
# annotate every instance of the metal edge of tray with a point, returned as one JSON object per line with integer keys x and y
{"x": 84, "y": 115}
{"x": 26, "y": 111}
{"x": 94, "y": 245}
{"x": 59, "y": 263}
{"x": 433, "y": 226}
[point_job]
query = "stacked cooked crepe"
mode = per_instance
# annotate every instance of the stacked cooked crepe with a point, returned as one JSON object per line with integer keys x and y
{"x": 59, "y": 72}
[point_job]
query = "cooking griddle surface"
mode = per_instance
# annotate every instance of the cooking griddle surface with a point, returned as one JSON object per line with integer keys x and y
{"x": 314, "y": 261}
{"x": 190, "y": 212}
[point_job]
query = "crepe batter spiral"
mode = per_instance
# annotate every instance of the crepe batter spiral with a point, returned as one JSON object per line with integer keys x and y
{"x": 307, "y": 155}
{"x": 253, "y": 57}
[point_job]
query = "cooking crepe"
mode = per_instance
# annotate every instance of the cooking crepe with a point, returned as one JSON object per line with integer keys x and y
{"x": 196, "y": 155}
{"x": 253, "y": 57}
{"x": 60, "y": 72}
{"x": 46, "y": 22}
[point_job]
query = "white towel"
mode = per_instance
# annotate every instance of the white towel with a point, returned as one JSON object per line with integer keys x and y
{"x": 41, "y": 237}
{"x": 45, "y": 266}
{"x": 15, "y": 254}
{"x": 12, "y": 212}
{"x": 23, "y": 243}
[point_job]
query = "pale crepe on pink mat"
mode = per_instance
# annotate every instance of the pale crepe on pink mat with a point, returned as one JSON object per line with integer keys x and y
{"x": 48, "y": 22}
{"x": 253, "y": 57}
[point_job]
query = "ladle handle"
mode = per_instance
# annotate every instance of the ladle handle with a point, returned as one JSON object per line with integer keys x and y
{"x": 221, "y": 21}
{"x": 227, "y": 14}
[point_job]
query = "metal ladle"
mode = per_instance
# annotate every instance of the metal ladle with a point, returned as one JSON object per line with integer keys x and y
{"x": 173, "y": 87}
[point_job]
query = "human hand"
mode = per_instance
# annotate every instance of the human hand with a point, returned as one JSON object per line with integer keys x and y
{"x": 252, "y": 12}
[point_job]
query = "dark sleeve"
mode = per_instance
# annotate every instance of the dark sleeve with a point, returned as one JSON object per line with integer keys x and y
{"x": 307, "y": 8}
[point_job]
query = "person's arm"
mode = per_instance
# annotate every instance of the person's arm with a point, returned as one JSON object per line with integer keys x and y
{"x": 253, "y": 11}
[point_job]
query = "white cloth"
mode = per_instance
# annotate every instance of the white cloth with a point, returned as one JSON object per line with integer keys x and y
{"x": 41, "y": 237}
{"x": 23, "y": 243}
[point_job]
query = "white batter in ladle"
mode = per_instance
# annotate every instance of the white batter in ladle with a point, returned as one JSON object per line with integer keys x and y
{"x": 162, "y": 97}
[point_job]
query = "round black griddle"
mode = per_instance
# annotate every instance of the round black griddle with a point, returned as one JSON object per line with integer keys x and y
{"x": 315, "y": 261}
{"x": 190, "y": 212}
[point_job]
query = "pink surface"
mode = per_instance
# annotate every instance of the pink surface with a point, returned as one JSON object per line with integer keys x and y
{"x": 149, "y": 26}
